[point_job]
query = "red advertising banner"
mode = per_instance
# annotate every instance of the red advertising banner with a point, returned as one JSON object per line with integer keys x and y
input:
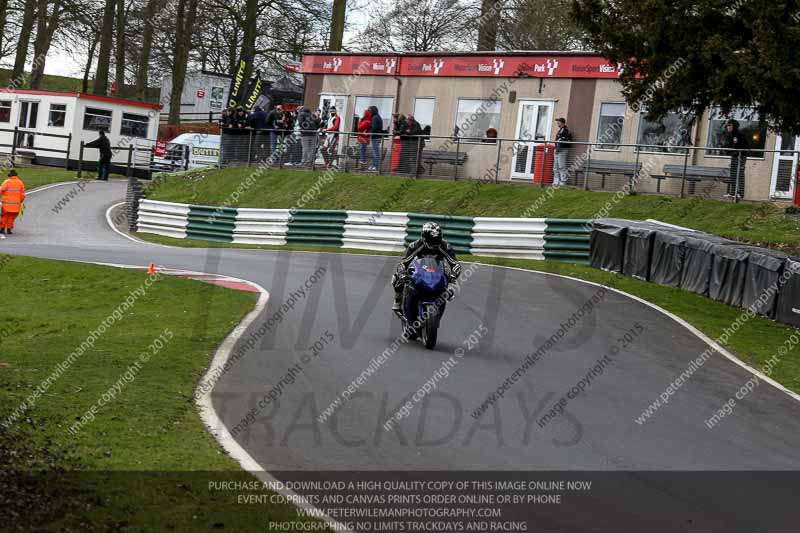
{"x": 459, "y": 66}
{"x": 346, "y": 64}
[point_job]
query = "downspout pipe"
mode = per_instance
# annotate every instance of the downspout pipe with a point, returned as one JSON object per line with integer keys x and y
{"x": 399, "y": 84}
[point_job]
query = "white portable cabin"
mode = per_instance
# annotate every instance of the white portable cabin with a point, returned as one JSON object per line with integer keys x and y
{"x": 47, "y": 127}
{"x": 204, "y": 92}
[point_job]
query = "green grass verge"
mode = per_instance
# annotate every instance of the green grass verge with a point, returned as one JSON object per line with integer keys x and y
{"x": 757, "y": 341}
{"x": 757, "y": 223}
{"x": 50, "y": 82}
{"x": 145, "y": 461}
{"x": 38, "y": 176}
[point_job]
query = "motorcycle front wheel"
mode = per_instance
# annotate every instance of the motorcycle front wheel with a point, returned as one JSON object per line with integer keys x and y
{"x": 430, "y": 328}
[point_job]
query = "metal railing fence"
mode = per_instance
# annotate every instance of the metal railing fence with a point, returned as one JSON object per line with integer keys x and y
{"x": 23, "y": 141}
{"x": 681, "y": 171}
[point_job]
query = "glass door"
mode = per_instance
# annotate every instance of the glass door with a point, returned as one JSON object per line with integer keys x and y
{"x": 784, "y": 167}
{"x": 28, "y": 113}
{"x": 534, "y": 124}
{"x": 327, "y": 101}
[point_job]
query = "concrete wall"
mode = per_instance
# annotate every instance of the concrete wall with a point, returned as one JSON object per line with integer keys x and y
{"x": 758, "y": 171}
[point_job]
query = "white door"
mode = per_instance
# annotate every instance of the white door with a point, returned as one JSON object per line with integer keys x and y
{"x": 534, "y": 124}
{"x": 784, "y": 167}
{"x": 28, "y": 115}
{"x": 327, "y": 101}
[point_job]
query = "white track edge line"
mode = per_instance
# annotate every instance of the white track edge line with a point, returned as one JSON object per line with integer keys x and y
{"x": 705, "y": 338}
{"x": 130, "y": 237}
{"x": 702, "y": 336}
{"x": 211, "y": 419}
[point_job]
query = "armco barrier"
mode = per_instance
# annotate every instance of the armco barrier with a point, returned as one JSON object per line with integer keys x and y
{"x": 567, "y": 240}
{"x": 523, "y": 238}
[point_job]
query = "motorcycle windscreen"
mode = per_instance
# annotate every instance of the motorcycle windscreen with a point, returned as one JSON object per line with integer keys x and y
{"x": 607, "y": 244}
{"x": 428, "y": 276}
{"x": 788, "y": 309}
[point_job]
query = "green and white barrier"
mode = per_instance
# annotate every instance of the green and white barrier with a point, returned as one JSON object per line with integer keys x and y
{"x": 524, "y": 238}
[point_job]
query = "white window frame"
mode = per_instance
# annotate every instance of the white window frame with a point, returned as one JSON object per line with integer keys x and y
{"x": 86, "y": 112}
{"x": 122, "y": 122}
{"x": 50, "y": 112}
{"x": 358, "y": 109}
{"x": 641, "y": 114}
{"x": 597, "y": 143}
{"x": 477, "y": 139}
{"x": 777, "y": 157}
{"x": 433, "y": 113}
{"x": 708, "y": 138}
{"x": 10, "y": 107}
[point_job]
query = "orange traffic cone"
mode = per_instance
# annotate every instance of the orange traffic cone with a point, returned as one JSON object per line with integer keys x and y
{"x": 151, "y": 269}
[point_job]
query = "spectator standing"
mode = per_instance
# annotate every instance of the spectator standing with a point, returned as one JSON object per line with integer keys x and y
{"x": 331, "y": 147}
{"x": 294, "y": 155}
{"x": 376, "y": 131}
{"x": 272, "y": 126}
{"x": 563, "y": 138}
{"x": 225, "y": 119}
{"x": 104, "y": 162}
{"x": 491, "y": 136}
{"x": 398, "y": 162}
{"x": 363, "y": 135}
{"x": 12, "y": 194}
{"x": 412, "y": 144}
{"x": 239, "y": 119}
{"x": 309, "y": 126}
{"x": 737, "y": 142}
{"x": 257, "y": 119}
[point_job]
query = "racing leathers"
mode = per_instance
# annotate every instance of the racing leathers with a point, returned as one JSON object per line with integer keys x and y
{"x": 443, "y": 252}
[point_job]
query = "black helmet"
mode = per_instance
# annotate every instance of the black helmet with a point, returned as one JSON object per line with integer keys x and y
{"x": 431, "y": 234}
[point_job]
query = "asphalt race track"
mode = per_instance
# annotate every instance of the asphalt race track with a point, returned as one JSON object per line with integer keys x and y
{"x": 510, "y": 313}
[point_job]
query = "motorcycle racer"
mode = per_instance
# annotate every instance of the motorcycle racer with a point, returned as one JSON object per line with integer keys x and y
{"x": 430, "y": 241}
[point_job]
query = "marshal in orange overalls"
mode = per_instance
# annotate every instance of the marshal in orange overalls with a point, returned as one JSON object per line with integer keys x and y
{"x": 12, "y": 194}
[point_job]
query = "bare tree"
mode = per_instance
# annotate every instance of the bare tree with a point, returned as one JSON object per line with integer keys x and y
{"x": 78, "y": 33}
{"x": 28, "y": 18}
{"x": 416, "y": 26}
{"x": 119, "y": 50}
{"x": 104, "y": 57}
{"x": 337, "y": 25}
{"x": 151, "y": 10}
{"x": 89, "y": 60}
{"x": 46, "y": 26}
{"x": 488, "y": 24}
{"x": 187, "y": 12}
{"x": 3, "y": 18}
{"x": 538, "y": 25}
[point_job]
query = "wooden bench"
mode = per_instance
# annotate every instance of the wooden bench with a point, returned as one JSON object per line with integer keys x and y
{"x": 694, "y": 174}
{"x": 434, "y": 157}
{"x": 606, "y": 168}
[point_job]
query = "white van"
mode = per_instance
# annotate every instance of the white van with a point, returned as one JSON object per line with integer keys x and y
{"x": 186, "y": 151}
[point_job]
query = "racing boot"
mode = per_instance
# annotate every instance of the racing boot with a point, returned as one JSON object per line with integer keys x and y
{"x": 398, "y": 303}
